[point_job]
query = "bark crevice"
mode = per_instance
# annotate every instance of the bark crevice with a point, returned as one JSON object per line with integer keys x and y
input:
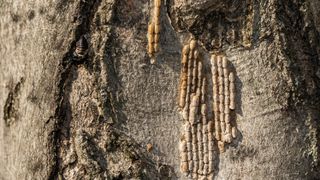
{"x": 10, "y": 111}
{"x": 67, "y": 74}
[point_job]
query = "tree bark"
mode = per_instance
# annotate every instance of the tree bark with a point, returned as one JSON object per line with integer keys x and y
{"x": 114, "y": 115}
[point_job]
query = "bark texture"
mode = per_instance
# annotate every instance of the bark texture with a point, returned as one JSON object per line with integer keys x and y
{"x": 114, "y": 115}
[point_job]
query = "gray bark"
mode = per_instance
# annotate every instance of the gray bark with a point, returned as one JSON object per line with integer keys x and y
{"x": 64, "y": 118}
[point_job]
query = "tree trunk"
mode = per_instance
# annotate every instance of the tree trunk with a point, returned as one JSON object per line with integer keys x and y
{"x": 113, "y": 114}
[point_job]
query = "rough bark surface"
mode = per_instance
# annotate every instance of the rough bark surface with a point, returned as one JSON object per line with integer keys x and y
{"x": 66, "y": 118}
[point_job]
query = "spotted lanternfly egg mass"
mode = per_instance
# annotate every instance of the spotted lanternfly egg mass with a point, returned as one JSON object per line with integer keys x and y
{"x": 192, "y": 102}
{"x": 154, "y": 29}
{"x": 223, "y": 99}
{"x": 208, "y": 128}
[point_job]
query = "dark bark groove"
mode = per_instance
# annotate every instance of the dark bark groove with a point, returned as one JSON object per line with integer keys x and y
{"x": 84, "y": 15}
